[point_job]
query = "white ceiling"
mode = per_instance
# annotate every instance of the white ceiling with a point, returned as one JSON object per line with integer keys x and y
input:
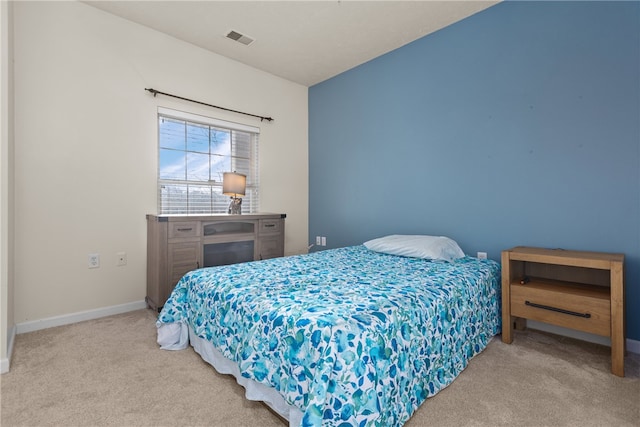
{"x": 302, "y": 41}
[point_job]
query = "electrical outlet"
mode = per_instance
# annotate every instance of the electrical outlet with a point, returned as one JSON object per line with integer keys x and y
{"x": 94, "y": 260}
{"x": 121, "y": 259}
{"x": 324, "y": 241}
{"x": 482, "y": 255}
{"x": 318, "y": 241}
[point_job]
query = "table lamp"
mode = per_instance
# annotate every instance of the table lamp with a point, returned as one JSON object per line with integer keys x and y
{"x": 234, "y": 185}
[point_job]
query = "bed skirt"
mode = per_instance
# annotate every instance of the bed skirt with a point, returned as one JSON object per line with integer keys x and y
{"x": 174, "y": 337}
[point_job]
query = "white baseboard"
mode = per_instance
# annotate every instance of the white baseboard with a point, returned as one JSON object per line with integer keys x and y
{"x": 67, "y": 319}
{"x": 6, "y": 362}
{"x": 632, "y": 345}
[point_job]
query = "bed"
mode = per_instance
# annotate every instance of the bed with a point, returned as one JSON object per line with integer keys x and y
{"x": 354, "y": 336}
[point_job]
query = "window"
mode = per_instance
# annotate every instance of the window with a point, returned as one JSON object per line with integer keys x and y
{"x": 193, "y": 153}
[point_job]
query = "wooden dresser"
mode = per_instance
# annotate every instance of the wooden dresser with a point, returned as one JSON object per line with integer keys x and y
{"x": 177, "y": 244}
{"x": 573, "y": 289}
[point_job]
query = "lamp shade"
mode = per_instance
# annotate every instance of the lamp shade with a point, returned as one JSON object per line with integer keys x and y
{"x": 233, "y": 184}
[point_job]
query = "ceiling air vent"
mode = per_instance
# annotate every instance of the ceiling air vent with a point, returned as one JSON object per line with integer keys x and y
{"x": 240, "y": 38}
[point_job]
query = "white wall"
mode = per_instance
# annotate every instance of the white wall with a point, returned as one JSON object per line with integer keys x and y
{"x": 7, "y": 328}
{"x": 86, "y": 148}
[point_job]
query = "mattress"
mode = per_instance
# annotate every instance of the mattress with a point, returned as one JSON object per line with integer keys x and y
{"x": 345, "y": 336}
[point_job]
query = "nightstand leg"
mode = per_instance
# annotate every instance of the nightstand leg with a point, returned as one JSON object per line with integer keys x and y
{"x": 617, "y": 319}
{"x": 507, "y": 321}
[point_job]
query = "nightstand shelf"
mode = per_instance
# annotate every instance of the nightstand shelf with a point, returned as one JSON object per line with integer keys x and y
{"x": 573, "y": 289}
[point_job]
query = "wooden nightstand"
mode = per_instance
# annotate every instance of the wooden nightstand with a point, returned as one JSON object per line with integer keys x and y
{"x": 574, "y": 289}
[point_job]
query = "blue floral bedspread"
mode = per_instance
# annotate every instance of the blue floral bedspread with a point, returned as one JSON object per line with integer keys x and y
{"x": 350, "y": 336}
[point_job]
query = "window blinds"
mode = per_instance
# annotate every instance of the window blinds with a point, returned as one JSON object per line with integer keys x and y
{"x": 193, "y": 153}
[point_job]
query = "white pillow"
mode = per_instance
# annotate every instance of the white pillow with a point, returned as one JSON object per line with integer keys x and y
{"x": 417, "y": 246}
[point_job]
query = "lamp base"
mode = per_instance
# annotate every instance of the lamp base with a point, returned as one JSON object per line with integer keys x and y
{"x": 235, "y": 207}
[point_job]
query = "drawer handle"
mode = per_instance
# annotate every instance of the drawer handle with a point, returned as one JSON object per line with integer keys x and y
{"x": 185, "y": 229}
{"x": 269, "y": 225}
{"x": 559, "y": 310}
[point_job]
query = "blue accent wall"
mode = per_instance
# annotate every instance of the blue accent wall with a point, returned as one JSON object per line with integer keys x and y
{"x": 519, "y": 125}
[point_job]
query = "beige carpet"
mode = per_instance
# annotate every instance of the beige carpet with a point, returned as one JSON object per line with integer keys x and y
{"x": 110, "y": 372}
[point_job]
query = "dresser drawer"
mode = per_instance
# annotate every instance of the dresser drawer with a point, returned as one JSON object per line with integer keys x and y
{"x": 182, "y": 258}
{"x": 271, "y": 247}
{"x": 268, "y": 226}
{"x": 184, "y": 229}
{"x": 585, "y": 308}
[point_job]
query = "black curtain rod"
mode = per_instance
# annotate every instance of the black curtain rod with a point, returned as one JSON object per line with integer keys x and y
{"x": 156, "y": 92}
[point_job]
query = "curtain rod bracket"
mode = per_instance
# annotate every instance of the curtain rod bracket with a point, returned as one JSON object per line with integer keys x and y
{"x": 156, "y": 92}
